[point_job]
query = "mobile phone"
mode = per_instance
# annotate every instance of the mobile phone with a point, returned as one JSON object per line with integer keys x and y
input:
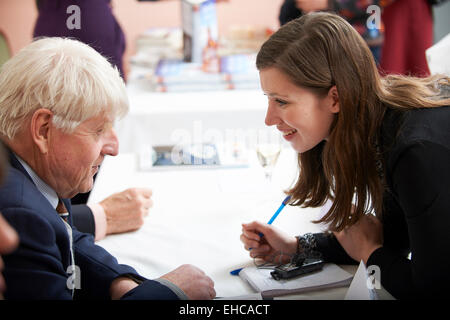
{"x": 288, "y": 271}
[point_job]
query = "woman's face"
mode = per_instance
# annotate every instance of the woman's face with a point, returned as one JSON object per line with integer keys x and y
{"x": 301, "y": 115}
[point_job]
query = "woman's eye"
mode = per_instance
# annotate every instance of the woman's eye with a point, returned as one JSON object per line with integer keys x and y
{"x": 280, "y": 102}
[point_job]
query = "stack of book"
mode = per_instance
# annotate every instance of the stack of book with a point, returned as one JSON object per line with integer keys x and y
{"x": 156, "y": 44}
{"x": 235, "y": 72}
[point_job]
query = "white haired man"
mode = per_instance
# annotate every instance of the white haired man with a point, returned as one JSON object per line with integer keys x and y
{"x": 59, "y": 99}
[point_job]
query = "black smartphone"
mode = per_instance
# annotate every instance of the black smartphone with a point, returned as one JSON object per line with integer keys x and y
{"x": 288, "y": 271}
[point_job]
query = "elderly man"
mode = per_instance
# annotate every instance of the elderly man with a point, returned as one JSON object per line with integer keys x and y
{"x": 59, "y": 99}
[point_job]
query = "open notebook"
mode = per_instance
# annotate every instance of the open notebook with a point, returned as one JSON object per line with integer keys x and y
{"x": 331, "y": 276}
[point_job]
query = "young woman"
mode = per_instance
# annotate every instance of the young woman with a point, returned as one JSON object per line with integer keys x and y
{"x": 368, "y": 144}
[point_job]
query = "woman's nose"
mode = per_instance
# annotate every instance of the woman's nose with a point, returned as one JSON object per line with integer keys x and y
{"x": 271, "y": 116}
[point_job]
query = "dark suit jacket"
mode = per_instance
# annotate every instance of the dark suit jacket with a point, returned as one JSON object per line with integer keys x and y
{"x": 37, "y": 269}
{"x": 83, "y": 218}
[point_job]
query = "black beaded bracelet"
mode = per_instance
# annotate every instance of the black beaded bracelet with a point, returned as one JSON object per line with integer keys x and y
{"x": 306, "y": 248}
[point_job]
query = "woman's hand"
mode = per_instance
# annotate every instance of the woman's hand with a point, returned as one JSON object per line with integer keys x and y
{"x": 361, "y": 239}
{"x": 273, "y": 244}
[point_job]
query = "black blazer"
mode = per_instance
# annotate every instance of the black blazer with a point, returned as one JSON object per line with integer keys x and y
{"x": 37, "y": 268}
{"x": 416, "y": 206}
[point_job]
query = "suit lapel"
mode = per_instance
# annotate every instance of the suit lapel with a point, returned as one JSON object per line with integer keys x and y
{"x": 17, "y": 165}
{"x": 44, "y": 207}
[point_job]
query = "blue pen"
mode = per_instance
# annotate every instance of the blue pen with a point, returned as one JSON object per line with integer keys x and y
{"x": 275, "y": 215}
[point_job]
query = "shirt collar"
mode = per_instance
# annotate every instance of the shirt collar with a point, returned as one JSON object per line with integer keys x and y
{"x": 44, "y": 188}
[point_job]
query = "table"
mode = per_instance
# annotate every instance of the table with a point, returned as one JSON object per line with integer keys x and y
{"x": 197, "y": 213}
{"x": 197, "y": 218}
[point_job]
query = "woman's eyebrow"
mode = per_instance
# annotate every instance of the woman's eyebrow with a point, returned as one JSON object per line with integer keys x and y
{"x": 273, "y": 94}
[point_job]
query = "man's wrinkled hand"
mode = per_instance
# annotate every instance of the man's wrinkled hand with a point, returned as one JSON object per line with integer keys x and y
{"x": 125, "y": 211}
{"x": 193, "y": 281}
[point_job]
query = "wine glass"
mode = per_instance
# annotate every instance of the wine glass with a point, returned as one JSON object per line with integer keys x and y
{"x": 268, "y": 154}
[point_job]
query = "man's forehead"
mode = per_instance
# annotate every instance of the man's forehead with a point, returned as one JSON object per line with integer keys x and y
{"x": 102, "y": 119}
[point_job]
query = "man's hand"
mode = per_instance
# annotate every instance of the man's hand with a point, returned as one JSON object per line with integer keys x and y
{"x": 125, "y": 211}
{"x": 362, "y": 238}
{"x": 120, "y": 286}
{"x": 193, "y": 281}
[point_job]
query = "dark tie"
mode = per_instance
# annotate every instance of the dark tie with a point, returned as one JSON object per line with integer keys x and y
{"x": 62, "y": 211}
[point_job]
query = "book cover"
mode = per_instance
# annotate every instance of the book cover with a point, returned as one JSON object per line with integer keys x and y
{"x": 199, "y": 23}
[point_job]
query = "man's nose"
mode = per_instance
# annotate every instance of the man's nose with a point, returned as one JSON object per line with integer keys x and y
{"x": 111, "y": 146}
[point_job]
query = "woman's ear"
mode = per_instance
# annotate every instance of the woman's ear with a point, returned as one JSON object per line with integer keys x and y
{"x": 40, "y": 127}
{"x": 334, "y": 98}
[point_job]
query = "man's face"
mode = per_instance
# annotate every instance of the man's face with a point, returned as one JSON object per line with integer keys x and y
{"x": 74, "y": 158}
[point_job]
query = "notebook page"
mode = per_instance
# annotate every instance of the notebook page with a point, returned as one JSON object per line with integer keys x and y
{"x": 261, "y": 280}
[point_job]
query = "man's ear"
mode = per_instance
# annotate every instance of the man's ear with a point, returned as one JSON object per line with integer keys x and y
{"x": 40, "y": 128}
{"x": 334, "y": 96}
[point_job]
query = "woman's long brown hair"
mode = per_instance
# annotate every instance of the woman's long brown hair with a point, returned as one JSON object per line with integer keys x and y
{"x": 319, "y": 51}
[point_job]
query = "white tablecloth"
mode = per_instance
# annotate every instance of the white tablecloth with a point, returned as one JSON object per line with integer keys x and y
{"x": 197, "y": 218}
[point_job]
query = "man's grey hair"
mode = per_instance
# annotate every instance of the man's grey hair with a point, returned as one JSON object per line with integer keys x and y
{"x": 62, "y": 75}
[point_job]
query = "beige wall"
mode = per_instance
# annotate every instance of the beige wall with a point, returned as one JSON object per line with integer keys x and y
{"x": 16, "y": 21}
{"x": 17, "y": 17}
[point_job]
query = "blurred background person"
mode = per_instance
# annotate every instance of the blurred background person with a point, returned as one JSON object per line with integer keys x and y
{"x": 288, "y": 11}
{"x": 354, "y": 11}
{"x": 8, "y": 242}
{"x": 98, "y": 27}
{"x": 409, "y": 33}
{"x": 8, "y": 236}
{"x": 405, "y": 33}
